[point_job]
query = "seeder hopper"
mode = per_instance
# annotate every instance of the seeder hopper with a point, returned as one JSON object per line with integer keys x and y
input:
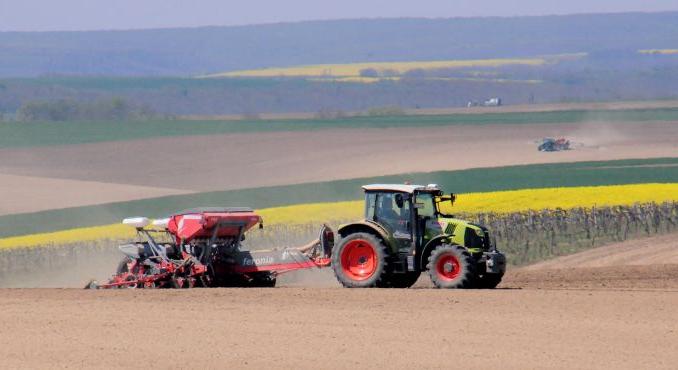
{"x": 202, "y": 248}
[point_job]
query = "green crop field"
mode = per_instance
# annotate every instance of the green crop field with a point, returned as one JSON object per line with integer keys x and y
{"x": 663, "y": 170}
{"x": 25, "y": 134}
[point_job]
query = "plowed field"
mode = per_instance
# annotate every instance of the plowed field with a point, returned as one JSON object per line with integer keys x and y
{"x": 605, "y": 315}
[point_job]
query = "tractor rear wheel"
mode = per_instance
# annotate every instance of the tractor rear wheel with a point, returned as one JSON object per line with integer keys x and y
{"x": 451, "y": 267}
{"x": 359, "y": 261}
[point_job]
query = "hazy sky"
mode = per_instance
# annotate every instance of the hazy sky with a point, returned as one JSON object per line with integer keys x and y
{"x": 42, "y": 15}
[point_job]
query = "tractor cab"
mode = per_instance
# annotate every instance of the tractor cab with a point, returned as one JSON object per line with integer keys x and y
{"x": 405, "y": 211}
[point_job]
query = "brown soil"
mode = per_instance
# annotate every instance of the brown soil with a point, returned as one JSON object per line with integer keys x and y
{"x": 614, "y": 315}
{"x": 234, "y": 161}
{"x": 338, "y": 328}
{"x": 651, "y": 277}
{"x": 646, "y": 263}
{"x": 656, "y": 250}
{"x": 29, "y": 194}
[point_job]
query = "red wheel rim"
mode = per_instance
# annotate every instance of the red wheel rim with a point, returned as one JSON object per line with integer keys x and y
{"x": 358, "y": 259}
{"x": 448, "y": 266}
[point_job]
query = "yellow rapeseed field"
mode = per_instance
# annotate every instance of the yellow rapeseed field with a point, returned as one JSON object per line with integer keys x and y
{"x": 498, "y": 202}
{"x": 353, "y": 69}
{"x": 115, "y": 231}
{"x": 565, "y": 198}
{"x": 314, "y": 212}
{"x": 369, "y": 80}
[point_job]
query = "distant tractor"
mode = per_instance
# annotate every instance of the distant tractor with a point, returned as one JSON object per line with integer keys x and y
{"x": 492, "y": 102}
{"x": 404, "y": 233}
{"x": 549, "y": 144}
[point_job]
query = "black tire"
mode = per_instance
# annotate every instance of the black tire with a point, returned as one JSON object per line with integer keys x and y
{"x": 489, "y": 281}
{"x": 462, "y": 273}
{"x": 401, "y": 281}
{"x": 131, "y": 286}
{"x": 355, "y": 250}
{"x": 263, "y": 280}
{"x": 92, "y": 284}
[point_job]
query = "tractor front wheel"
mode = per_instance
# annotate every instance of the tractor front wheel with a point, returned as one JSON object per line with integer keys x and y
{"x": 451, "y": 267}
{"x": 359, "y": 261}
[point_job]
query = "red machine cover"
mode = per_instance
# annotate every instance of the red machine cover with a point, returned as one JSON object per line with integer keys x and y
{"x": 201, "y": 223}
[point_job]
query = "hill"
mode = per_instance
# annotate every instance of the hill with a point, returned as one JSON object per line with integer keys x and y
{"x": 203, "y": 50}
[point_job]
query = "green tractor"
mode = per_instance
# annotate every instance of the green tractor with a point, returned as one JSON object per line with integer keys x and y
{"x": 405, "y": 233}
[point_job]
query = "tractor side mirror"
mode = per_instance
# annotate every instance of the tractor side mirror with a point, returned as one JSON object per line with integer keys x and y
{"x": 448, "y": 198}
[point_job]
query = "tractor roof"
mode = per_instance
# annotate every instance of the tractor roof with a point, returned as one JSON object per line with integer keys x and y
{"x": 400, "y": 188}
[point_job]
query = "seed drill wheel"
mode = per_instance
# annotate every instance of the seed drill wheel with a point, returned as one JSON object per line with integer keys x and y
{"x": 132, "y": 283}
{"x": 359, "y": 261}
{"x": 451, "y": 266}
{"x": 92, "y": 284}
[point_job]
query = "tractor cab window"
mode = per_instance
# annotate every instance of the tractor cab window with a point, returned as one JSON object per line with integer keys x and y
{"x": 393, "y": 211}
{"x": 370, "y": 204}
{"x": 425, "y": 205}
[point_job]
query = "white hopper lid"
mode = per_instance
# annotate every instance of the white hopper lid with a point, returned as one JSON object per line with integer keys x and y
{"x": 136, "y": 222}
{"x": 163, "y": 222}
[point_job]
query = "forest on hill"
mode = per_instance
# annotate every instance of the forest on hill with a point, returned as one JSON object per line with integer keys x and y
{"x": 194, "y": 51}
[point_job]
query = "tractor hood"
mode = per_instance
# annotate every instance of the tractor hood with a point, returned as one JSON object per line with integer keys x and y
{"x": 461, "y": 232}
{"x": 446, "y": 225}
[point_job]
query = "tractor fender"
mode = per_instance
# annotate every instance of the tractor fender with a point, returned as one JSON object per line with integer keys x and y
{"x": 364, "y": 226}
{"x": 430, "y": 246}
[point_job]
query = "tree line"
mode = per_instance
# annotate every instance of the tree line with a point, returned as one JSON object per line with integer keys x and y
{"x": 112, "y": 109}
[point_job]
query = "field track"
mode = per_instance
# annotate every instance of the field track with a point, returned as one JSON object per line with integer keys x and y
{"x": 234, "y": 161}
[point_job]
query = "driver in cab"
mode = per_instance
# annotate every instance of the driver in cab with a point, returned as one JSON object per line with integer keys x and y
{"x": 397, "y": 219}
